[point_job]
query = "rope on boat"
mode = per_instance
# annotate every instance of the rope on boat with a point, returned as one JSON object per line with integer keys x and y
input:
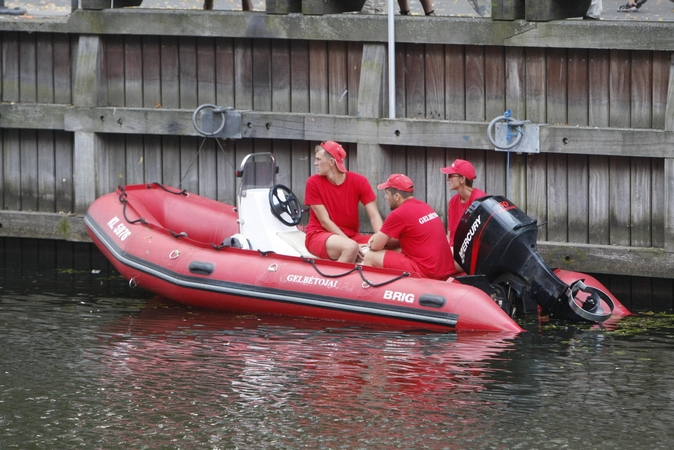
{"x": 359, "y": 269}
{"x": 181, "y": 192}
{"x": 123, "y": 199}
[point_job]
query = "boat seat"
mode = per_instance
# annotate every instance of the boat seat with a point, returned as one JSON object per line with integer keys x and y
{"x": 296, "y": 240}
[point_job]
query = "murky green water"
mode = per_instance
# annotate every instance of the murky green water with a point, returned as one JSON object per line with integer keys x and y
{"x": 85, "y": 362}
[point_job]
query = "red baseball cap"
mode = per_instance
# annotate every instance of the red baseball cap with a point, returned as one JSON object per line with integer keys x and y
{"x": 460, "y": 167}
{"x": 337, "y": 152}
{"x": 398, "y": 181}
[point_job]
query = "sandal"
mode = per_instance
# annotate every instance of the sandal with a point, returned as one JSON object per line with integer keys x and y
{"x": 405, "y": 13}
{"x": 432, "y": 11}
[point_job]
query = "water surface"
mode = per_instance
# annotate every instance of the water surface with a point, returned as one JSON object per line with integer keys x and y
{"x": 86, "y": 362}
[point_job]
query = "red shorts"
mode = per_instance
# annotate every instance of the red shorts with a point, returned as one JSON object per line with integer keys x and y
{"x": 315, "y": 242}
{"x": 398, "y": 261}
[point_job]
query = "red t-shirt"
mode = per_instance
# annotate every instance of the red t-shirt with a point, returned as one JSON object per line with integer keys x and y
{"x": 341, "y": 201}
{"x": 456, "y": 210}
{"x": 421, "y": 234}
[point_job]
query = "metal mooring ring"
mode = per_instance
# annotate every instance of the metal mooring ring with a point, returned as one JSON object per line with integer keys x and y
{"x": 174, "y": 254}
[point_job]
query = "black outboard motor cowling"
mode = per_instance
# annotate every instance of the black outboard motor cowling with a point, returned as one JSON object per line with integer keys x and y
{"x": 496, "y": 239}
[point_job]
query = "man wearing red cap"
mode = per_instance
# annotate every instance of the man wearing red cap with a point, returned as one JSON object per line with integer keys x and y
{"x": 333, "y": 194}
{"x": 417, "y": 230}
{"x": 460, "y": 176}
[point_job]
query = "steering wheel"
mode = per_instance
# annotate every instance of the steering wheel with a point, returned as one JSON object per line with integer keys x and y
{"x": 283, "y": 201}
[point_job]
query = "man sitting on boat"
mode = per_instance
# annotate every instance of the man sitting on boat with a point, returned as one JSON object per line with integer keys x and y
{"x": 423, "y": 246}
{"x": 333, "y": 194}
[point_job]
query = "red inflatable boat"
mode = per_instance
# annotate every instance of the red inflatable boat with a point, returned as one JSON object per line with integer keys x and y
{"x": 251, "y": 259}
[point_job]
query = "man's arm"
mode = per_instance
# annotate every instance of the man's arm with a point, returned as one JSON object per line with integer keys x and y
{"x": 378, "y": 241}
{"x": 373, "y": 213}
{"x": 326, "y": 222}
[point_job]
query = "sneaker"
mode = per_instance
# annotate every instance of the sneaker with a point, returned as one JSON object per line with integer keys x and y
{"x": 628, "y": 8}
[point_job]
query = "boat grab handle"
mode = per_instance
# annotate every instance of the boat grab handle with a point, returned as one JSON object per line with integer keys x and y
{"x": 360, "y": 272}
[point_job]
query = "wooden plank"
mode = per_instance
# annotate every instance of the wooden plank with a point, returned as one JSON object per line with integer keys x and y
{"x": 135, "y": 160}
{"x": 88, "y": 147}
{"x": 455, "y": 82}
{"x": 558, "y": 202}
{"x": 187, "y": 54}
{"x": 578, "y": 87}
{"x": 151, "y": 72}
{"x": 281, "y": 80}
{"x": 400, "y": 80}
{"x": 206, "y": 168}
{"x": 11, "y": 164}
{"x": 640, "y": 202}
{"x": 495, "y": 82}
{"x": 62, "y": 67}
{"x": 170, "y": 74}
{"x": 598, "y": 205}
{"x": 619, "y": 192}
{"x": 63, "y": 172}
{"x": 353, "y": 64}
{"x": 10, "y": 67}
{"x": 658, "y": 205}
{"x": 43, "y": 225}
{"x": 434, "y": 81}
{"x": 627, "y": 34}
{"x": 578, "y": 192}
{"x": 475, "y": 89}
{"x": 537, "y": 183}
{"x": 152, "y": 159}
{"x": 415, "y": 101}
{"x": 302, "y": 167}
{"x": 189, "y": 168}
{"x": 556, "y": 89}
{"x": 243, "y": 74}
{"x": 371, "y": 80}
{"x": 669, "y": 201}
{"x": 337, "y": 73}
{"x": 114, "y": 71}
{"x": 299, "y": 66}
{"x": 262, "y": 75}
{"x": 46, "y": 182}
{"x": 28, "y": 168}
{"x": 44, "y": 68}
{"x": 435, "y": 180}
{"x": 598, "y": 91}
{"x": 661, "y": 61}
{"x": 608, "y": 259}
{"x": 171, "y": 161}
{"x": 515, "y": 97}
{"x": 619, "y": 88}
{"x": 224, "y": 72}
{"x": 133, "y": 71}
{"x": 318, "y": 77}
{"x": 641, "y": 99}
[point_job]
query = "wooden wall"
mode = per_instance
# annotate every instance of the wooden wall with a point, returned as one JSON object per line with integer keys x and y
{"x": 597, "y": 197}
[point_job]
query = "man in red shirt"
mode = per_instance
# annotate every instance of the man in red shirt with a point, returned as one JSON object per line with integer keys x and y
{"x": 417, "y": 230}
{"x": 333, "y": 194}
{"x": 460, "y": 176}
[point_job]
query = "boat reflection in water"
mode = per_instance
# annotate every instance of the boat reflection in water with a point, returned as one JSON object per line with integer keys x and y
{"x": 321, "y": 374}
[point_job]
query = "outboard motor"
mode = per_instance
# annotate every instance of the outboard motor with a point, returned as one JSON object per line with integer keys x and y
{"x": 496, "y": 239}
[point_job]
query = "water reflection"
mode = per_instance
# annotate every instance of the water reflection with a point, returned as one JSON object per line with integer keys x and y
{"x": 281, "y": 378}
